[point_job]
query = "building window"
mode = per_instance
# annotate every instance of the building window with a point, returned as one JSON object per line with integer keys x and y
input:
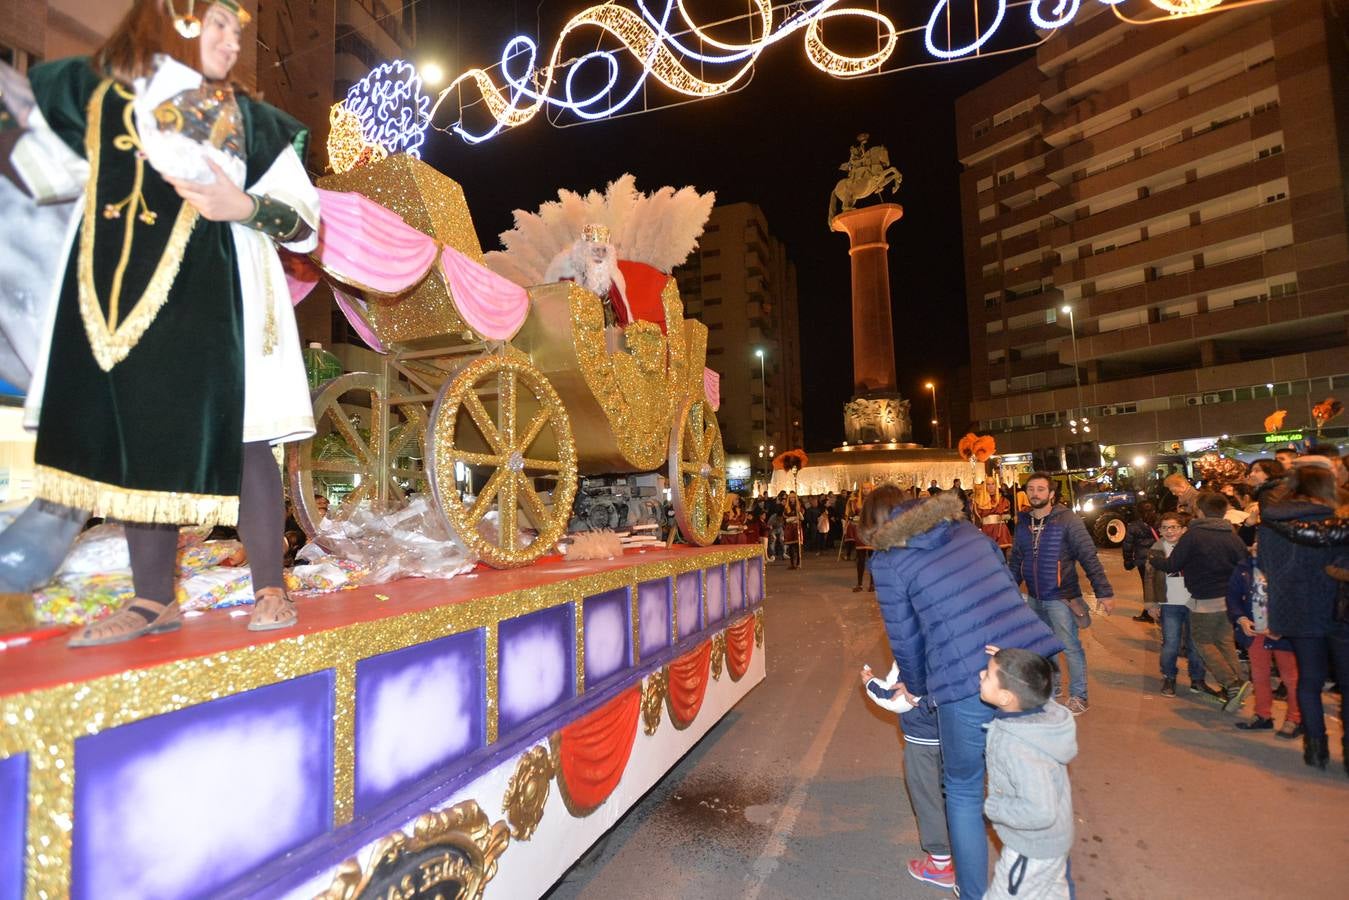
{"x": 1270, "y": 151}
{"x": 709, "y": 254}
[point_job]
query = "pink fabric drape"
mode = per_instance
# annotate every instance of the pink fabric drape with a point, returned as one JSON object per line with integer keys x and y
{"x": 354, "y": 310}
{"x": 492, "y": 305}
{"x": 712, "y": 387}
{"x": 369, "y": 247}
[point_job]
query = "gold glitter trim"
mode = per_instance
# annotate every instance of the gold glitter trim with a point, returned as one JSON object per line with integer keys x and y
{"x": 344, "y": 743}
{"x": 45, "y": 723}
{"x": 110, "y": 340}
{"x": 758, "y": 627}
{"x": 653, "y": 698}
{"x": 463, "y": 827}
{"x": 492, "y": 676}
{"x": 718, "y": 653}
{"x": 527, "y": 791}
{"x": 132, "y": 504}
{"x": 634, "y": 618}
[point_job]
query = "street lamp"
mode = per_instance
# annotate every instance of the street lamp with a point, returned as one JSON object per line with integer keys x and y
{"x": 763, "y": 398}
{"x": 1077, "y": 377}
{"x": 936, "y": 433}
{"x": 432, "y": 74}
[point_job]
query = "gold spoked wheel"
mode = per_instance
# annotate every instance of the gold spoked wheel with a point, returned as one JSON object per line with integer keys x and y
{"x": 697, "y": 472}
{"x": 384, "y": 462}
{"x": 500, "y": 442}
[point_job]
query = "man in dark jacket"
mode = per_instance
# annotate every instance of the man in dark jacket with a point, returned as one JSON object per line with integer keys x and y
{"x": 944, "y": 594}
{"x": 1049, "y": 540}
{"x": 1206, "y": 556}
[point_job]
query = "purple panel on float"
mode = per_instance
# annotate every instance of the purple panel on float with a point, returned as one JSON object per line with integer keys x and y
{"x": 653, "y": 615}
{"x": 13, "y": 824}
{"x": 715, "y": 579}
{"x": 607, "y": 619}
{"x": 754, "y": 580}
{"x": 536, "y": 664}
{"x": 735, "y": 585}
{"x": 181, "y": 804}
{"x": 689, "y": 590}
{"x": 417, "y": 709}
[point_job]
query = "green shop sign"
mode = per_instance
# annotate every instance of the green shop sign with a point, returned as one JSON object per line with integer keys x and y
{"x": 1283, "y": 437}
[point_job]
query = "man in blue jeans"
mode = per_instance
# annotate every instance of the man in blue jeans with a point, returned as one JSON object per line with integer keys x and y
{"x": 945, "y": 595}
{"x": 1050, "y": 543}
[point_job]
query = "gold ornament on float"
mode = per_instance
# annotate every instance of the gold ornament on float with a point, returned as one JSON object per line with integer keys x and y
{"x": 653, "y": 699}
{"x": 718, "y": 654}
{"x": 527, "y": 791}
{"x": 758, "y": 627}
{"x": 451, "y": 853}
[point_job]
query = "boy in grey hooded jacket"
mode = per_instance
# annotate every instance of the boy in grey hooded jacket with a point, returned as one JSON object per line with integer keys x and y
{"x": 1030, "y": 801}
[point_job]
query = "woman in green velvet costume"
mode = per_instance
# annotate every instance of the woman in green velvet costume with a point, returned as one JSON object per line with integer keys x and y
{"x": 170, "y": 342}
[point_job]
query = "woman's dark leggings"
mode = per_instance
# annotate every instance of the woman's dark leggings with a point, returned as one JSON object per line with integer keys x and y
{"x": 1314, "y": 658}
{"x": 861, "y": 564}
{"x": 262, "y": 515}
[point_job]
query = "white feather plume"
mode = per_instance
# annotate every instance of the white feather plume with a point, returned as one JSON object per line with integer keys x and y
{"x": 660, "y": 229}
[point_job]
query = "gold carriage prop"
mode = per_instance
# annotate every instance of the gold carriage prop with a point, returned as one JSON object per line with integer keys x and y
{"x": 498, "y": 430}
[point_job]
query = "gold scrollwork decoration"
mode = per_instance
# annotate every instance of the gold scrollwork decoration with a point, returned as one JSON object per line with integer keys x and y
{"x": 653, "y": 699}
{"x": 527, "y": 791}
{"x": 451, "y": 853}
{"x": 718, "y": 654}
{"x": 758, "y": 627}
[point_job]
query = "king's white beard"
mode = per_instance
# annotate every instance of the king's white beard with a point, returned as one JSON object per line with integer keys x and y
{"x": 595, "y": 276}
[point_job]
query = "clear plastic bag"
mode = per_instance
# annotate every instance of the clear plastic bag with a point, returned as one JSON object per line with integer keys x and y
{"x": 411, "y": 542}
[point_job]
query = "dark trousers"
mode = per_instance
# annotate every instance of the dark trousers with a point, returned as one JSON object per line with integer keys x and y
{"x": 1314, "y": 658}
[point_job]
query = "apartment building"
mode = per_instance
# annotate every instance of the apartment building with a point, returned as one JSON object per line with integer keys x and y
{"x": 740, "y": 283}
{"x": 1155, "y": 229}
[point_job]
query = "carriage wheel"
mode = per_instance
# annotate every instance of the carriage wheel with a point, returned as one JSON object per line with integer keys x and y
{"x": 697, "y": 472}
{"x": 381, "y": 477}
{"x": 502, "y": 421}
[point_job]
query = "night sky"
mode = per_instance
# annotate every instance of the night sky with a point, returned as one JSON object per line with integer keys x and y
{"x": 777, "y": 143}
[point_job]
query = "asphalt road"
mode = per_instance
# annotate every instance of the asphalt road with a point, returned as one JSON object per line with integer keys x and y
{"x": 798, "y": 792}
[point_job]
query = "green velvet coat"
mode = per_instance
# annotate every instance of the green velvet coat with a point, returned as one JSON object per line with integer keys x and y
{"x": 142, "y": 413}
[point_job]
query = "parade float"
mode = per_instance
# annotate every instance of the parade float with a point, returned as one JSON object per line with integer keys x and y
{"x": 423, "y": 737}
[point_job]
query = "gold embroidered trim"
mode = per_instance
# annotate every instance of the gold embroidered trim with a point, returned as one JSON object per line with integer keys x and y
{"x": 110, "y": 340}
{"x": 131, "y": 504}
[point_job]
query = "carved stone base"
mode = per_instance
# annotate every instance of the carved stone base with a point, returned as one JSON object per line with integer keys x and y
{"x": 876, "y": 419}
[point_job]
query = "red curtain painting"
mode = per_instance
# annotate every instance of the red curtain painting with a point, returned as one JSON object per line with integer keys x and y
{"x": 593, "y": 751}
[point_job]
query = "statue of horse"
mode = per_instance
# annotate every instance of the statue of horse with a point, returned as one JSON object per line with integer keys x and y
{"x": 868, "y": 172}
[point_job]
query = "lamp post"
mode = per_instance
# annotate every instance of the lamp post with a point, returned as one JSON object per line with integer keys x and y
{"x": 763, "y": 398}
{"x": 1077, "y": 378}
{"x": 936, "y": 433}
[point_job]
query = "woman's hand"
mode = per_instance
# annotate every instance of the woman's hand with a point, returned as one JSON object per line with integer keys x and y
{"x": 219, "y": 201}
{"x": 1247, "y": 627}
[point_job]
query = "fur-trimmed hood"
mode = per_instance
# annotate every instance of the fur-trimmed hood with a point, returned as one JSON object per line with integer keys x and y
{"x": 916, "y": 517}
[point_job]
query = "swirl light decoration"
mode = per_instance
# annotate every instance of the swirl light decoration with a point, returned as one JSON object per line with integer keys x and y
{"x": 668, "y": 45}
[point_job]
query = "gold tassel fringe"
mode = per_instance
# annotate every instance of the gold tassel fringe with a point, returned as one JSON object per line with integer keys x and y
{"x": 131, "y": 505}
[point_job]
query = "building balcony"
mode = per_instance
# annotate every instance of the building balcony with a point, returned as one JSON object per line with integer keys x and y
{"x": 1247, "y": 270}
{"x": 1011, "y": 247}
{"x": 1185, "y": 198}
{"x": 1175, "y": 244}
{"x": 1191, "y": 111}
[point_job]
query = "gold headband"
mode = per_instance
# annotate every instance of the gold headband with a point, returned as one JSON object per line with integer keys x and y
{"x": 189, "y": 26}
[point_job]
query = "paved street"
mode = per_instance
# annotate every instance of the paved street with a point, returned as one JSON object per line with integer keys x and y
{"x": 798, "y": 792}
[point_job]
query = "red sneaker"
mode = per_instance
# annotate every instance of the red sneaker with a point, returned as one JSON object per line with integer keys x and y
{"x": 926, "y": 870}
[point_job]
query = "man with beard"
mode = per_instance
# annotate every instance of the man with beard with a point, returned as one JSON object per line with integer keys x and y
{"x": 1049, "y": 539}
{"x": 592, "y": 262}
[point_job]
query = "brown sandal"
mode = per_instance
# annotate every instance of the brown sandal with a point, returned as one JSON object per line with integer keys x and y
{"x": 126, "y": 624}
{"x": 272, "y": 609}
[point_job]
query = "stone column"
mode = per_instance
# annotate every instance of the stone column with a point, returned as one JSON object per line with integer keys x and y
{"x": 873, "y": 343}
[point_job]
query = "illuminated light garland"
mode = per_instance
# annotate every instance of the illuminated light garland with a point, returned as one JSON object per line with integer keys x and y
{"x": 1185, "y": 7}
{"x": 957, "y": 52}
{"x": 391, "y": 107}
{"x": 1063, "y": 13}
{"x": 347, "y": 146}
{"x": 395, "y": 114}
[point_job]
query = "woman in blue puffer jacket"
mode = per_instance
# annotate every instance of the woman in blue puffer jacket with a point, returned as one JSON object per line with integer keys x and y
{"x": 945, "y": 594}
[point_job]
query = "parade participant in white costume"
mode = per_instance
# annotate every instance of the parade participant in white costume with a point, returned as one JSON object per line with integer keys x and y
{"x": 171, "y": 369}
